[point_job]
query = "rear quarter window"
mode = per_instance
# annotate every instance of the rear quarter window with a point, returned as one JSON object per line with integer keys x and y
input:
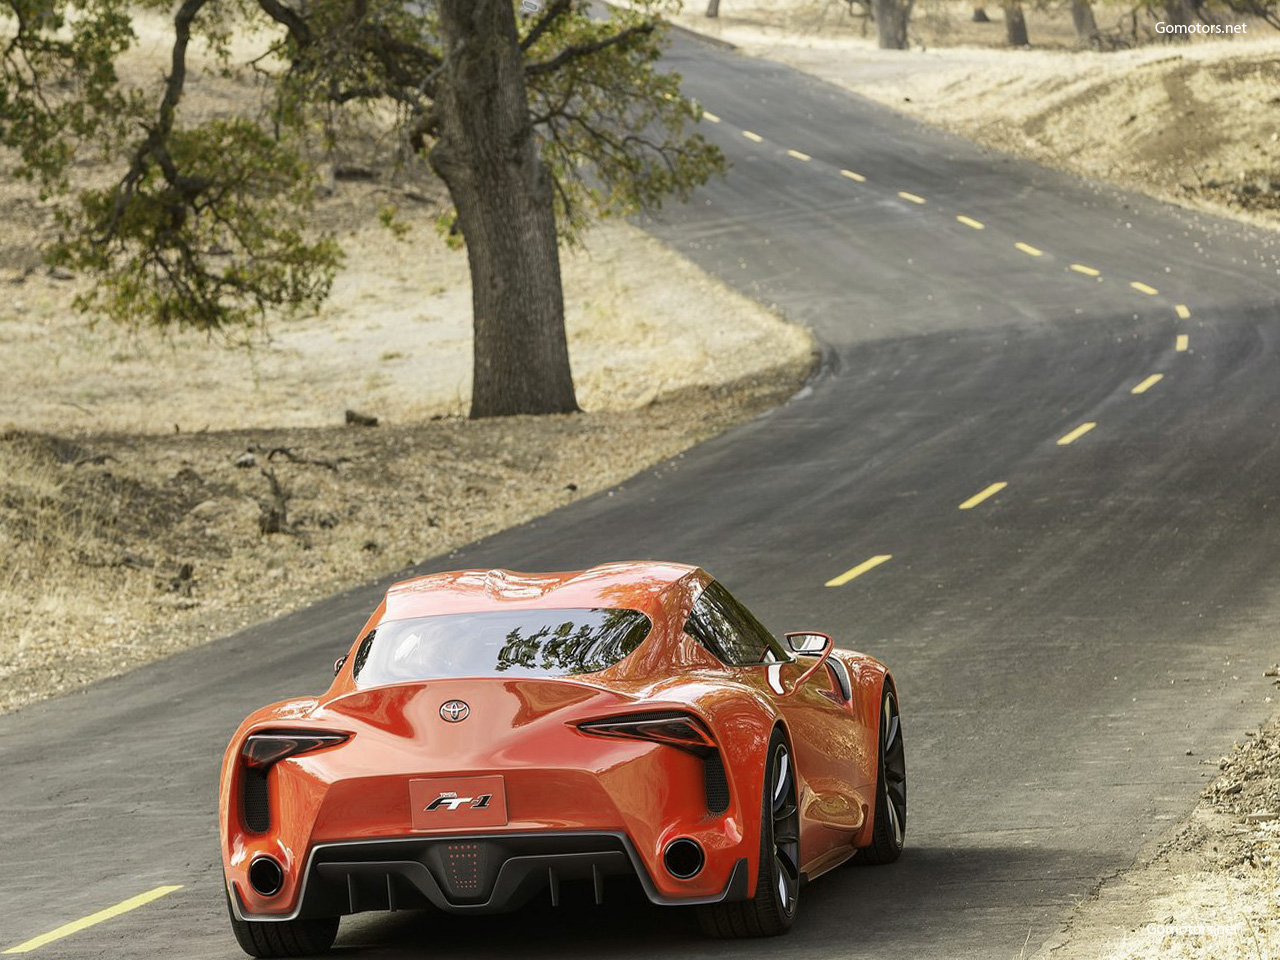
{"x": 730, "y": 631}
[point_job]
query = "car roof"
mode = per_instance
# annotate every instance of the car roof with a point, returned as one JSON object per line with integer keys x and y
{"x": 638, "y": 585}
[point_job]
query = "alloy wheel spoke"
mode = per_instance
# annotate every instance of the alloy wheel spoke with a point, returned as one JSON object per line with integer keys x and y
{"x": 893, "y": 768}
{"x": 785, "y": 832}
{"x": 895, "y": 822}
{"x": 897, "y": 798}
{"x": 787, "y": 870}
{"x": 783, "y": 777}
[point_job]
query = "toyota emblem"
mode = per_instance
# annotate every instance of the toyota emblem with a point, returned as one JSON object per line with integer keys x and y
{"x": 455, "y": 711}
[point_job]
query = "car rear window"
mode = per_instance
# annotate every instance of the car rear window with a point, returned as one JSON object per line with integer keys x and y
{"x": 504, "y": 643}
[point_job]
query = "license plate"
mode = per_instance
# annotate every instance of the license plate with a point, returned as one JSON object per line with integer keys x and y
{"x": 457, "y": 803}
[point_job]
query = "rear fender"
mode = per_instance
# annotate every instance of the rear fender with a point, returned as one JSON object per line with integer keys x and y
{"x": 742, "y": 723}
{"x": 870, "y": 679}
{"x": 232, "y": 830}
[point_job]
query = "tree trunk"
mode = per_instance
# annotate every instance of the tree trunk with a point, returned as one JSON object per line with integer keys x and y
{"x": 1083, "y": 20}
{"x": 713, "y": 8}
{"x": 1015, "y": 24}
{"x": 1178, "y": 12}
{"x": 980, "y": 15}
{"x": 891, "y": 17}
{"x": 487, "y": 156}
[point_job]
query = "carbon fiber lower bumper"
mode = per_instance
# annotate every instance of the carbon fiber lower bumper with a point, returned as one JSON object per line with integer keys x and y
{"x": 470, "y": 874}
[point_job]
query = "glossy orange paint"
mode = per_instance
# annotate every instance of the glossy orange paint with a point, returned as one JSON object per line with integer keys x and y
{"x": 555, "y": 777}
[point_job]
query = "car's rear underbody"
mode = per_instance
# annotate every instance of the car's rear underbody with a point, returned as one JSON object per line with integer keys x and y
{"x": 478, "y": 873}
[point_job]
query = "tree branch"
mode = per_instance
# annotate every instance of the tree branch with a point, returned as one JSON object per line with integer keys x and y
{"x": 554, "y": 11}
{"x": 153, "y": 147}
{"x": 290, "y": 19}
{"x": 578, "y": 51}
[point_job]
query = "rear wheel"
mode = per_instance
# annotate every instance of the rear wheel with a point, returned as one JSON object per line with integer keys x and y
{"x": 773, "y": 908}
{"x": 284, "y": 938}
{"x": 890, "y": 830}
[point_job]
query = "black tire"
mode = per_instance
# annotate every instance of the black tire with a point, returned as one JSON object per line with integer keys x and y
{"x": 890, "y": 830}
{"x": 773, "y": 908}
{"x": 284, "y": 938}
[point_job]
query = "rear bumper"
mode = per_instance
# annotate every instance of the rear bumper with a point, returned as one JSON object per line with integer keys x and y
{"x": 478, "y": 873}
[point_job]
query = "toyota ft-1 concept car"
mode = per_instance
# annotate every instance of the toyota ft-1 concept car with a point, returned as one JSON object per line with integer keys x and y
{"x": 494, "y": 737}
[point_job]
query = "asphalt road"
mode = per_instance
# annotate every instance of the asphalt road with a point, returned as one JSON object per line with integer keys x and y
{"x": 1070, "y": 650}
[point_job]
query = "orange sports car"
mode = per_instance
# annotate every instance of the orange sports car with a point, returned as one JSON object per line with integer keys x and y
{"x": 494, "y": 737}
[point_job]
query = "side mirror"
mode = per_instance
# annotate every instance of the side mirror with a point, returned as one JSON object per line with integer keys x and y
{"x": 337, "y": 665}
{"x": 809, "y": 643}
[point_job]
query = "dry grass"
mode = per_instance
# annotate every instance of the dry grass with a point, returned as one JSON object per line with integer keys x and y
{"x": 121, "y": 548}
{"x": 394, "y": 342}
{"x": 127, "y": 531}
{"x": 1197, "y": 126}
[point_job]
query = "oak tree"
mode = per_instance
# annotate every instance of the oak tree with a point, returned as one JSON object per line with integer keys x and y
{"x": 537, "y": 116}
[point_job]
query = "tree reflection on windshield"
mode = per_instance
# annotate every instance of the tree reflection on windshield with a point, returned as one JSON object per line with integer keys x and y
{"x": 519, "y": 643}
{"x": 569, "y": 647}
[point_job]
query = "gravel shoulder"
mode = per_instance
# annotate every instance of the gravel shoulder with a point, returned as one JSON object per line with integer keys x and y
{"x": 1211, "y": 888}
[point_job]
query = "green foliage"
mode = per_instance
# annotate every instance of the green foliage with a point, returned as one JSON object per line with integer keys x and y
{"x": 388, "y": 216}
{"x": 206, "y": 227}
{"x": 212, "y": 249}
{"x": 612, "y": 126}
{"x": 58, "y": 83}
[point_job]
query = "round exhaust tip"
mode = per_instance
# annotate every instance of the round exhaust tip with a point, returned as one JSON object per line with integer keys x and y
{"x": 683, "y": 858}
{"x": 265, "y": 876}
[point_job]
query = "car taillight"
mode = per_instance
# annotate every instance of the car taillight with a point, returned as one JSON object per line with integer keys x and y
{"x": 261, "y": 750}
{"x": 674, "y": 729}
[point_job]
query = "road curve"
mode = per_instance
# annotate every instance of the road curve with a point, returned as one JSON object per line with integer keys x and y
{"x": 1071, "y": 646}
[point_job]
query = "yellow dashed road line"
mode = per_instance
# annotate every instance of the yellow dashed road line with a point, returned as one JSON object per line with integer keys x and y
{"x": 1182, "y": 311}
{"x": 859, "y": 570}
{"x": 853, "y": 176}
{"x": 754, "y": 137}
{"x": 1077, "y": 433}
{"x": 970, "y": 222}
{"x": 977, "y": 498}
{"x": 1148, "y": 383}
{"x": 1143, "y": 288}
{"x": 910, "y": 196}
{"x": 1087, "y": 271}
{"x": 1182, "y": 343}
{"x": 799, "y": 156}
{"x": 708, "y": 115}
{"x": 67, "y": 929}
{"x": 1028, "y": 249}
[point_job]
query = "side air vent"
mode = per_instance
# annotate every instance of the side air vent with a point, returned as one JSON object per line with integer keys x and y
{"x": 715, "y": 782}
{"x": 257, "y": 807}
